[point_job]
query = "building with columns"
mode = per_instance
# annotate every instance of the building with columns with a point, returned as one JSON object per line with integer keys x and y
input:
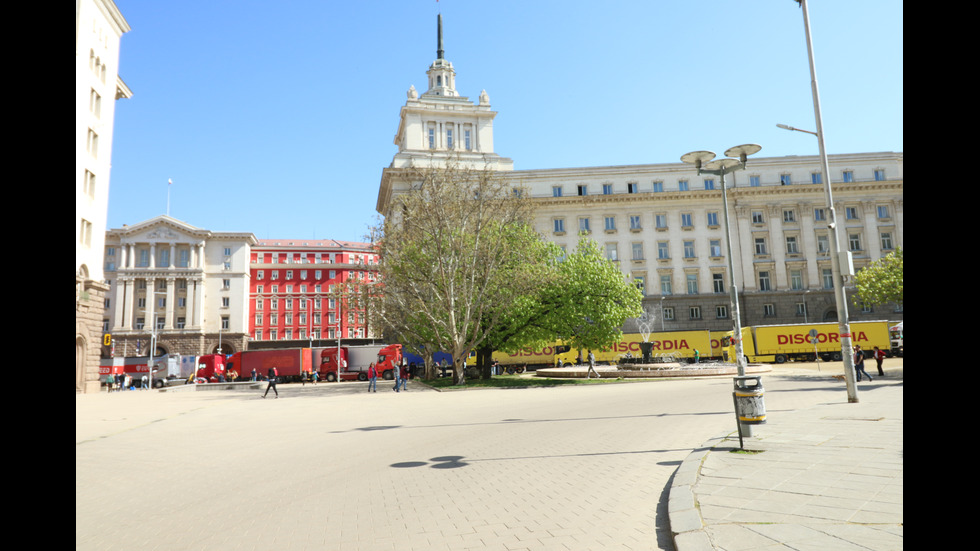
{"x": 99, "y": 27}
{"x": 186, "y": 284}
{"x": 663, "y": 224}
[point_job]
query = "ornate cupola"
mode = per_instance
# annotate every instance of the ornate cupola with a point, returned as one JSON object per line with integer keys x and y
{"x": 442, "y": 77}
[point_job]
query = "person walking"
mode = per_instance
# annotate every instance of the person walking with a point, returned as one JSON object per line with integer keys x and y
{"x": 588, "y": 374}
{"x": 697, "y": 356}
{"x": 879, "y": 356}
{"x": 253, "y": 375}
{"x": 396, "y": 370}
{"x": 372, "y": 378}
{"x": 110, "y": 381}
{"x": 404, "y": 377}
{"x": 859, "y": 364}
{"x": 273, "y": 375}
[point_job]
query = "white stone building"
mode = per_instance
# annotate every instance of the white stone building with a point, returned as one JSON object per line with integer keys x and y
{"x": 189, "y": 284}
{"x": 664, "y": 224}
{"x": 99, "y": 26}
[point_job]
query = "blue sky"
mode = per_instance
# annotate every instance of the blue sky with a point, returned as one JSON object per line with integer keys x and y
{"x": 277, "y": 118}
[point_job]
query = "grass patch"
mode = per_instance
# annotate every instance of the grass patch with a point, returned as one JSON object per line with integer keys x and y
{"x": 510, "y": 381}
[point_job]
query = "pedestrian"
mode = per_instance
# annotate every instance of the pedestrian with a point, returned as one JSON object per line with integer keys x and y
{"x": 110, "y": 381}
{"x": 273, "y": 375}
{"x": 560, "y": 362}
{"x": 253, "y": 375}
{"x": 879, "y": 356}
{"x": 315, "y": 376}
{"x": 372, "y": 378}
{"x": 397, "y": 372}
{"x": 588, "y": 374}
{"x": 697, "y": 356}
{"x": 859, "y": 364}
{"x": 404, "y": 377}
{"x": 145, "y": 383}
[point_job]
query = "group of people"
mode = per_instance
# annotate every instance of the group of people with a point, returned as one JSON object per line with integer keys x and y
{"x": 401, "y": 378}
{"x": 122, "y": 381}
{"x": 878, "y": 355}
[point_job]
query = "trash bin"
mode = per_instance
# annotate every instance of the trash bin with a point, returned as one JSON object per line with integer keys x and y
{"x": 749, "y": 403}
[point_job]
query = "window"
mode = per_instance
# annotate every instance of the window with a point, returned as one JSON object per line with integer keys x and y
{"x": 92, "y": 143}
{"x": 583, "y": 225}
{"x": 828, "y": 278}
{"x": 692, "y": 284}
{"x": 637, "y": 251}
{"x": 689, "y": 249}
{"x": 661, "y": 220}
{"x": 695, "y": 312}
{"x": 883, "y": 212}
{"x": 612, "y": 252}
{"x": 760, "y": 245}
{"x": 658, "y": 187}
{"x": 635, "y": 222}
{"x": 854, "y": 241}
{"x": 784, "y": 180}
{"x": 607, "y": 189}
{"x": 632, "y": 187}
{"x": 712, "y": 219}
{"x": 848, "y": 176}
{"x": 791, "y": 246}
{"x": 886, "y": 241}
{"x": 754, "y": 181}
{"x": 610, "y": 223}
{"x": 665, "y": 286}
{"x": 801, "y": 309}
{"x": 449, "y": 138}
{"x": 663, "y": 250}
{"x": 815, "y": 178}
{"x": 583, "y": 190}
{"x": 819, "y": 214}
{"x": 225, "y": 302}
{"x": 823, "y": 244}
{"x": 789, "y": 216}
{"x": 682, "y": 185}
{"x": 686, "y": 220}
{"x": 88, "y": 185}
{"x": 289, "y": 274}
{"x": 715, "y": 247}
{"x": 226, "y": 284}
{"x": 796, "y": 280}
{"x": 556, "y": 191}
{"x": 432, "y": 138}
{"x": 764, "y": 282}
{"x": 721, "y": 312}
{"x": 758, "y": 217}
{"x": 559, "y": 225}
{"x": 879, "y": 175}
{"x": 851, "y": 213}
{"x": 640, "y": 282}
{"x": 769, "y": 310}
{"x": 709, "y": 183}
{"x": 718, "y": 283}
{"x": 669, "y": 313}
{"x": 466, "y": 137}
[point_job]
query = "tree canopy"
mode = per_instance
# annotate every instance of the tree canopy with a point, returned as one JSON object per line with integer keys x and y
{"x": 882, "y": 281}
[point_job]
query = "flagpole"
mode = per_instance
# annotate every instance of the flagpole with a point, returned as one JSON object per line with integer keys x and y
{"x": 170, "y": 182}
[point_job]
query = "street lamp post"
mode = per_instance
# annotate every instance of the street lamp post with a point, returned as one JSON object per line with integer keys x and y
{"x": 835, "y": 261}
{"x": 702, "y": 160}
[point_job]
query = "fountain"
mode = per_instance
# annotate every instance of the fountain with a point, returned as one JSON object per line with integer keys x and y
{"x": 644, "y": 324}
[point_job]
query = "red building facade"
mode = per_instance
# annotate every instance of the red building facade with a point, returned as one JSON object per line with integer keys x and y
{"x": 310, "y": 289}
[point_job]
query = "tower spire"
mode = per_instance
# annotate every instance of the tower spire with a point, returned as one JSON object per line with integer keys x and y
{"x": 439, "y": 50}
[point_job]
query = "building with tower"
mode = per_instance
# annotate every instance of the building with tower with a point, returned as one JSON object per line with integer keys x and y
{"x": 662, "y": 223}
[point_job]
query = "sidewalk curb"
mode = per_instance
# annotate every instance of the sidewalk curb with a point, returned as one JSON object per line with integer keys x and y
{"x": 683, "y": 512}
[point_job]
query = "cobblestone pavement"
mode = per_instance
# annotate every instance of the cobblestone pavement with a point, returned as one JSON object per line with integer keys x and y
{"x": 333, "y": 467}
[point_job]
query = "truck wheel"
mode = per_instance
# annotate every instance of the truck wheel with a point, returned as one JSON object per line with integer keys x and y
{"x": 362, "y": 376}
{"x": 158, "y": 383}
{"x": 780, "y": 359}
{"x": 388, "y": 375}
{"x": 331, "y": 377}
{"x": 520, "y": 369}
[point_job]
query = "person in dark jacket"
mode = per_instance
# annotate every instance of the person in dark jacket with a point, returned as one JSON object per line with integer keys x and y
{"x": 273, "y": 375}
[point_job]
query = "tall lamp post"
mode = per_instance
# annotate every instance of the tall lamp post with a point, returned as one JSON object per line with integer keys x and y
{"x": 702, "y": 160}
{"x": 835, "y": 257}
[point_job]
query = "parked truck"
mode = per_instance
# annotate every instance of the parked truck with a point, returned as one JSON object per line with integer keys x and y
{"x": 210, "y": 367}
{"x": 355, "y": 360}
{"x": 167, "y": 369}
{"x": 292, "y": 364}
{"x": 795, "y": 342}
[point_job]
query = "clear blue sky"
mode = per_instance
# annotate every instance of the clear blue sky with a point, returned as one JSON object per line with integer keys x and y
{"x": 277, "y": 118}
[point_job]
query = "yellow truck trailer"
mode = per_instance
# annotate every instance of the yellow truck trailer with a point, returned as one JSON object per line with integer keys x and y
{"x": 806, "y": 341}
{"x": 679, "y": 344}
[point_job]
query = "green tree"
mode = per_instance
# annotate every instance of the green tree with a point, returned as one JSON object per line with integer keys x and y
{"x": 882, "y": 281}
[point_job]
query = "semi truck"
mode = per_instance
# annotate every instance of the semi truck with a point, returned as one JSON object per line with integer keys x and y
{"x": 292, "y": 364}
{"x": 355, "y": 360}
{"x": 679, "y": 345}
{"x": 805, "y": 342}
{"x": 167, "y": 368}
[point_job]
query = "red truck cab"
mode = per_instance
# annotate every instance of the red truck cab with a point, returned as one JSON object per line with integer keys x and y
{"x": 211, "y": 367}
